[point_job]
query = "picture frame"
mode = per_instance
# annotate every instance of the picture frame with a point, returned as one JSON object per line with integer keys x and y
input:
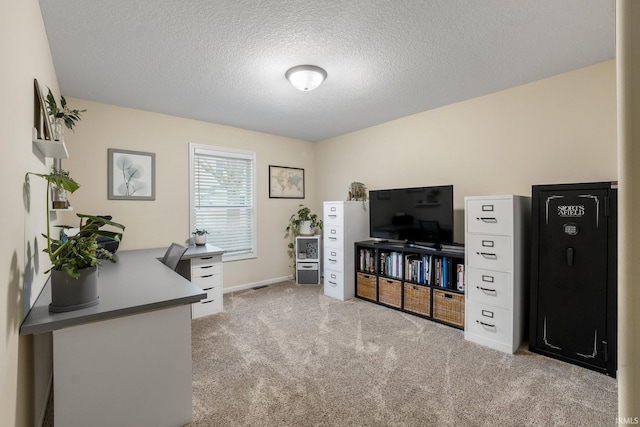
{"x": 42, "y": 121}
{"x": 286, "y": 182}
{"x": 131, "y": 175}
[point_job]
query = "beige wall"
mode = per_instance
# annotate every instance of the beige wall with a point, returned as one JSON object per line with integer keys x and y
{"x": 556, "y": 130}
{"x": 165, "y": 220}
{"x": 25, "y": 55}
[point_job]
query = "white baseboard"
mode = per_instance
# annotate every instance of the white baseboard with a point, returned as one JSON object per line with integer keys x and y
{"x": 256, "y": 284}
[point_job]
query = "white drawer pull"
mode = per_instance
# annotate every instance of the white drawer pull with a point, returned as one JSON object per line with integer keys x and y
{"x": 488, "y": 220}
{"x": 487, "y": 255}
{"x": 208, "y": 275}
{"x": 207, "y": 289}
{"x": 206, "y": 302}
{"x": 207, "y": 266}
{"x": 307, "y": 266}
{"x": 207, "y": 257}
{"x": 487, "y": 290}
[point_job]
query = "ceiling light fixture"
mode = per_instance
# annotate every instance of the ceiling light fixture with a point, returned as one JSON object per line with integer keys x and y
{"x": 306, "y": 77}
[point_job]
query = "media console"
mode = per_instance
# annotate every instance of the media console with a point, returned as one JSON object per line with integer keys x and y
{"x": 417, "y": 279}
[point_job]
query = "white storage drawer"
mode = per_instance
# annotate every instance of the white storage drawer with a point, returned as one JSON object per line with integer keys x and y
{"x": 490, "y": 287}
{"x": 333, "y": 283}
{"x": 490, "y": 322}
{"x": 334, "y": 258}
{"x": 333, "y": 236}
{"x": 207, "y": 260}
{"x": 333, "y": 214}
{"x": 490, "y": 216}
{"x": 206, "y": 307}
{"x": 489, "y": 252}
{"x": 207, "y": 282}
{"x": 206, "y": 270}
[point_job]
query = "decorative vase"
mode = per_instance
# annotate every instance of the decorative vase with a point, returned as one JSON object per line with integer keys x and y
{"x": 68, "y": 294}
{"x": 56, "y": 130}
{"x": 200, "y": 239}
{"x": 305, "y": 228}
{"x": 59, "y": 198}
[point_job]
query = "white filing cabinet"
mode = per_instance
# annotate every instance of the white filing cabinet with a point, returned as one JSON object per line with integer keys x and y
{"x": 206, "y": 273}
{"x": 345, "y": 222}
{"x": 496, "y": 258}
{"x": 308, "y": 260}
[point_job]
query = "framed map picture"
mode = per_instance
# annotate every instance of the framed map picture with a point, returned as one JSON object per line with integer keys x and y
{"x": 286, "y": 183}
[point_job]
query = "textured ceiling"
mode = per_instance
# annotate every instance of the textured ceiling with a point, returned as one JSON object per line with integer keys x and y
{"x": 224, "y": 61}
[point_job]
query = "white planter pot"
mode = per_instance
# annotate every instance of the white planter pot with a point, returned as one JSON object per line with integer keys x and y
{"x": 305, "y": 228}
{"x": 200, "y": 239}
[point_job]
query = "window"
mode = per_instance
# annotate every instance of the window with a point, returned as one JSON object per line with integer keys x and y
{"x": 222, "y": 185}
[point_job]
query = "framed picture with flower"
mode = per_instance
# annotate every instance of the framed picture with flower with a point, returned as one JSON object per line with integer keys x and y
{"x": 131, "y": 175}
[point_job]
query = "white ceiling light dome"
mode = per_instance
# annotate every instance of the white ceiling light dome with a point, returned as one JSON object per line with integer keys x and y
{"x": 306, "y": 77}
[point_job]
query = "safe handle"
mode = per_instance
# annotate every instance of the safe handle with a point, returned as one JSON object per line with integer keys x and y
{"x": 570, "y": 256}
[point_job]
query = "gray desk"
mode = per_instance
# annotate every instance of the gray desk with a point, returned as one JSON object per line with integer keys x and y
{"x": 127, "y": 360}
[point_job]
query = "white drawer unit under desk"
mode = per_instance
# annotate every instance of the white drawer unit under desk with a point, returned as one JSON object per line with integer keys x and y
{"x": 203, "y": 267}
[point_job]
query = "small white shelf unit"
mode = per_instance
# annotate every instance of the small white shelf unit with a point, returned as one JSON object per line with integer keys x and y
{"x": 308, "y": 255}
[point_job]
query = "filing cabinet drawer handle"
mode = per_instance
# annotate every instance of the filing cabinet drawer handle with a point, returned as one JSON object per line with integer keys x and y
{"x": 208, "y": 275}
{"x": 487, "y": 290}
{"x": 333, "y": 238}
{"x": 333, "y": 216}
{"x": 334, "y": 284}
{"x": 307, "y": 266}
{"x": 333, "y": 260}
{"x": 486, "y": 325}
{"x": 488, "y": 219}
{"x": 206, "y": 302}
{"x": 487, "y": 255}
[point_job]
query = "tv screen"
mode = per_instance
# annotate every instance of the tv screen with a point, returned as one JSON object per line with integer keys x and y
{"x": 415, "y": 215}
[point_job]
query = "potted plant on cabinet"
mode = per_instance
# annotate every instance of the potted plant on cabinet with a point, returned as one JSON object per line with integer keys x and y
{"x": 301, "y": 223}
{"x": 75, "y": 259}
{"x": 200, "y": 236}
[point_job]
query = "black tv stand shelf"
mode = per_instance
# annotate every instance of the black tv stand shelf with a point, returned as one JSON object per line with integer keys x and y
{"x": 417, "y": 279}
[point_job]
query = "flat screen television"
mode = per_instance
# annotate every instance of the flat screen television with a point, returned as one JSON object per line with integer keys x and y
{"x": 420, "y": 215}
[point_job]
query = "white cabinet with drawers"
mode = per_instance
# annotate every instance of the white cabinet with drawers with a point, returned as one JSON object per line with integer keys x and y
{"x": 496, "y": 257}
{"x": 202, "y": 265}
{"x": 345, "y": 222}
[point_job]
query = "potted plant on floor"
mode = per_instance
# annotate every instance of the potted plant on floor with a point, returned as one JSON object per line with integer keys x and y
{"x": 301, "y": 223}
{"x": 75, "y": 258}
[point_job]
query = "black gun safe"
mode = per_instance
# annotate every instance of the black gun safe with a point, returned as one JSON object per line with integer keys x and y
{"x": 573, "y": 307}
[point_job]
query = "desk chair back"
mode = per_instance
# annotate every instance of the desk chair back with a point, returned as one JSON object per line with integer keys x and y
{"x": 172, "y": 256}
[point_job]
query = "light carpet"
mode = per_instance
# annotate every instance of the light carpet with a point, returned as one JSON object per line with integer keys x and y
{"x": 286, "y": 355}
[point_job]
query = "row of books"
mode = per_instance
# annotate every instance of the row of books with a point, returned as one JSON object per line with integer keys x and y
{"x": 449, "y": 274}
{"x": 445, "y": 272}
{"x": 391, "y": 264}
{"x": 367, "y": 260}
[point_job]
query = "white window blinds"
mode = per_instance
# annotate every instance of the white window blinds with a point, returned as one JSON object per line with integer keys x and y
{"x": 223, "y": 198}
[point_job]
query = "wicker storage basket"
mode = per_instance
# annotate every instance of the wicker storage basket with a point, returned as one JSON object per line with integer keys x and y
{"x": 390, "y": 292}
{"x": 417, "y": 299}
{"x": 366, "y": 286}
{"x": 448, "y": 307}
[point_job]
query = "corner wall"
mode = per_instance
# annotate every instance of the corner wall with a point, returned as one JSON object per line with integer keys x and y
{"x": 558, "y": 130}
{"x": 166, "y": 219}
{"x": 25, "y": 54}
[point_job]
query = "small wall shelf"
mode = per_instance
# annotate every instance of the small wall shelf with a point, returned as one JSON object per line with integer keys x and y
{"x": 70, "y": 208}
{"x": 51, "y": 149}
